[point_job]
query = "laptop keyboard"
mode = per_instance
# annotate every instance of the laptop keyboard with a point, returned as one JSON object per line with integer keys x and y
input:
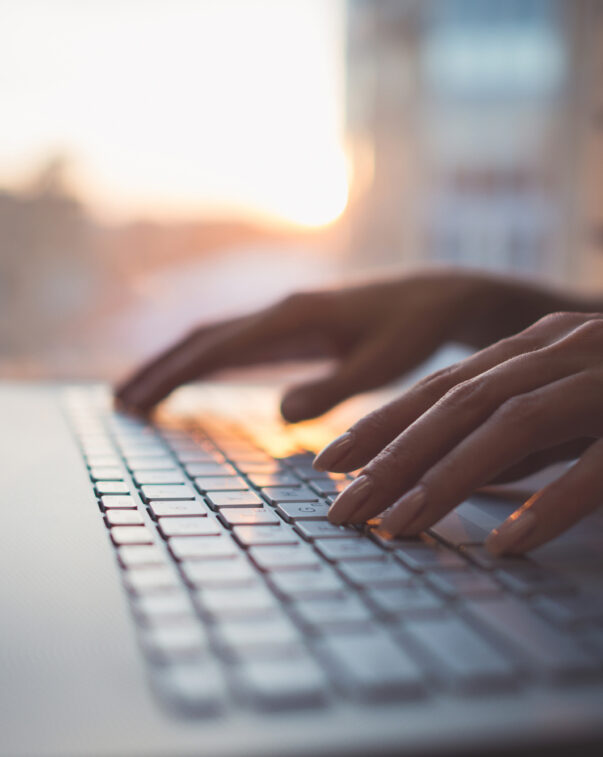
{"x": 244, "y": 595}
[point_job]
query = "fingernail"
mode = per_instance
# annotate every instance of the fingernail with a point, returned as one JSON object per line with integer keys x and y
{"x": 404, "y": 511}
{"x": 510, "y": 533}
{"x": 333, "y": 452}
{"x": 350, "y": 500}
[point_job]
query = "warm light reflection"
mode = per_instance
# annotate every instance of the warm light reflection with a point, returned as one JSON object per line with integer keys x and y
{"x": 181, "y": 108}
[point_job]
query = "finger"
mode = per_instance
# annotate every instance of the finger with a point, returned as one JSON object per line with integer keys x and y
{"x": 372, "y": 433}
{"x": 556, "y": 508}
{"x": 539, "y": 460}
{"x": 228, "y": 346}
{"x": 463, "y": 409}
{"x": 526, "y": 423}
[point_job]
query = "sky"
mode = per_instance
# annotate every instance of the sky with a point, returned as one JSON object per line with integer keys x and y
{"x": 179, "y": 108}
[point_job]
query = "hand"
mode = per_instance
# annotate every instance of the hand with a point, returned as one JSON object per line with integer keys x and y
{"x": 521, "y": 403}
{"x": 375, "y": 333}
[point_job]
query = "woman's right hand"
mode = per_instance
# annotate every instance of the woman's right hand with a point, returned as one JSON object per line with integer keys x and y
{"x": 374, "y": 332}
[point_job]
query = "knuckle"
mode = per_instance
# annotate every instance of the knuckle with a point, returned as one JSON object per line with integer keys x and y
{"x": 590, "y": 332}
{"x": 558, "y": 318}
{"x": 464, "y": 394}
{"x": 384, "y": 469}
{"x": 374, "y": 423}
{"x": 522, "y": 410}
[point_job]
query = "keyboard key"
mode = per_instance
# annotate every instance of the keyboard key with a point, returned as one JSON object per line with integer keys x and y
{"x": 276, "y": 495}
{"x": 487, "y": 561}
{"x": 238, "y": 602}
{"x": 249, "y": 536}
{"x": 221, "y": 484}
{"x": 200, "y": 456}
{"x": 464, "y": 583}
{"x": 118, "y": 501}
{"x": 167, "y": 607}
{"x": 422, "y": 557}
{"x": 284, "y": 558}
{"x": 349, "y": 549}
{"x": 203, "y": 548}
{"x": 259, "y": 638}
{"x": 345, "y": 613}
{"x": 260, "y": 465}
{"x": 101, "y": 461}
{"x": 405, "y": 601}
{"x": 322, "y": 529}
{"x": 251, "y": 516}
{"x": 296, "y": 511}
{"x": 326, "y": 488}
{"x": 544, "y": 647}
{"x": 159, "y": 477}
{"x": 373, "y": 666}
{"x": 307, "y": 584}
{"x": 459, "y": 654}
{"x": 138, "y": 555}
{"x": 182, "y": 507}
{"x": 532, "y": 579}
{"x": 279, "y": 478}
{"x": 572, "y": 609}
{"x": 220, "y": 573}
{"x": 131, "y": 535}
{"x": 118, "y": 517}
{"x": 152, "y": 579}
{"x": 188, "y": 527}
{"x": 150, "y": 463}
{"x": 210, "y": 469}
{"x": 169, "y": 492}
{"x": 219, "y": 499}
{"x": 193, "y": 688}
{"x": 111, "y": 487}
{"x": 375, "y": 574}
{"x": 106, "y": 473}
{"x": 175, "y": 642}
{"x": 283, "y": 684}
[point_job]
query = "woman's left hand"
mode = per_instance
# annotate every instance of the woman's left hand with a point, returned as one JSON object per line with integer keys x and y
{"x": 516, "y": 406}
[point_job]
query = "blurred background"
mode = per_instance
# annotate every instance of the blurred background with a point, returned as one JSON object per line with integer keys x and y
{"x": 163, "y": 163}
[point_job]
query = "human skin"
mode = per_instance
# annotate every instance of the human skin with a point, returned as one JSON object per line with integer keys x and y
{"x": 530, "y": 395}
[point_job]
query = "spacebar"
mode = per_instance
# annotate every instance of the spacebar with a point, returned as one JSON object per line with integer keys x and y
{"x": 544, "y": 648}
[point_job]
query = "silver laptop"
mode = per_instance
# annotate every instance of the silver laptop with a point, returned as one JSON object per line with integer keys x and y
{"x": 176, "y": 589}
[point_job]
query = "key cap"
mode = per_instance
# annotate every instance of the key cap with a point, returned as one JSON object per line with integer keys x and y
{"x": 572, "y": 609}
{"x": 284, "y": 558}
{"x": 296, "y": 511}
{"x": 279, "y": 478}
{"x": 102, "y": 461}
{"x": 131, "y": 535}
{"x": 368, "y": 574}
{"x": 192, "y": 688}
{"x": 464, "y": 583}
{"x": 460, "y": 655}
{"x": 170, "y": 607}
{"x": 221, "y": 484}
{"x": 118, "y": 501}
{"x": 106, "y": 473}
{"x": 276, "y": 495}
{"x": 307, "y": 584}
{"x": 544, "y": 647}
{"x": 260, "y": 637}
{"x": 169, "y": 492}
{"x": 261, "y": 465}
{"x": 138, "y": 555}
{"x": 283, "y": 684}
{"x": 424, "y": 558}
{"x": 167, "y": 643}
{"x": 249, "y": 536}
{"x": 188, "y": 527}
{"x": 487, "y": 561}
{"x": 405, "y": 601}
{"x": 210, "y": 469}
{"x": 218, "y": 499}
{"x": 111, "y": 487}
{"x": 118, "y": 517}
{"x": 345, "y": 613}
{"x": 238, "y": 602}
{"x": 322, "y": 529}
{"x": 203, "y": 548}
{"x": 200, "y": 456}
{"x": 328, "y": 488}
{"x": 182, "y": 507}
{"x": 159, "y": 477}
{"x": 349, "y": 549}
{"x": 149, "y": 580}
{"x": 150, "y": 463}
{"x": 373, "y": 666}
{"x": 532, "y": 579}
{"x": 248, "y": 516}
{"x": 219, "y": 573}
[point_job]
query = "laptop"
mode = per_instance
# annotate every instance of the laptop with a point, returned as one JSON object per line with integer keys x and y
{"x": 174, "y": 588}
